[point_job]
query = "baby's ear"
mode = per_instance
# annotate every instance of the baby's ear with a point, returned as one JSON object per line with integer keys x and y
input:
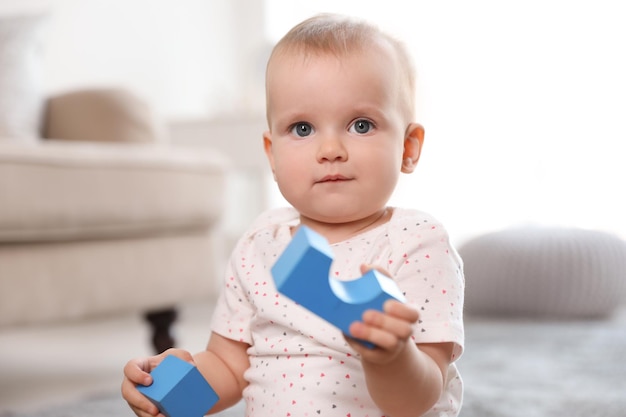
{"x": 267, "y": 145}
{"x": 413, "y": 142}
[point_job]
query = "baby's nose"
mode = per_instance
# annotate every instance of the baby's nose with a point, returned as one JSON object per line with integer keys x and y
{"x": 331, "y": 148}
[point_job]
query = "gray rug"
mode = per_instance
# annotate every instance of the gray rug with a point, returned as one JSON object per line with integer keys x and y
{"x": 525, "y": 369}
{"x": 511, "y": 368}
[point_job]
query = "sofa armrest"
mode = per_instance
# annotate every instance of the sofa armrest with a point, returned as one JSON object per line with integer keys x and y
{"x": 63, "y": 190}
{"x": 101, "y": 115}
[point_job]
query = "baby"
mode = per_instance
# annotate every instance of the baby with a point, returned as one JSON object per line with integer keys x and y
{"x": 340, "y": 108}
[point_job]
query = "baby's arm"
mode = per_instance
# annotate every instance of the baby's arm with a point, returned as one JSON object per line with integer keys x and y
{"x": 403, "y": 379}
{"x": 222, "y": 364}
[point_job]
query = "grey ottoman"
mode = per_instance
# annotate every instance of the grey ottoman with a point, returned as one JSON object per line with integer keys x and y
{"x": 545, "y": 272}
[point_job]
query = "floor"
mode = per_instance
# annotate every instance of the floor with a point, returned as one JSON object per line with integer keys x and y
{"x": 53, "y": 365}
{"x": 56, "y": 365}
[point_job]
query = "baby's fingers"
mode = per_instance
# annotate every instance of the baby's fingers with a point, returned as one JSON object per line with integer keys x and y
{"x": 140, "y": 404}
{"x": 138, "y": 370}
{"x": 366, "y": 267}
{"x": 379, "y": 338}
{"x": 384, "y": 325}
{"x": 401, "y": 311}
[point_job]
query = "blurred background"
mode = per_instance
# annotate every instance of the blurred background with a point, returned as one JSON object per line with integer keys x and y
{"x": 523, "y": 102}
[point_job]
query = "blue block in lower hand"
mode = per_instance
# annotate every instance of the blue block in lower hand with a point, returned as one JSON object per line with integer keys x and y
{"x": 302, "y": 273}
{"x": 179, "y": 390}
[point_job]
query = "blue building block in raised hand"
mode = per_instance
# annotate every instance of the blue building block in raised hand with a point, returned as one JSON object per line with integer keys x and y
{"x": 179, "y": 390}
{"x": 302, "y": 273}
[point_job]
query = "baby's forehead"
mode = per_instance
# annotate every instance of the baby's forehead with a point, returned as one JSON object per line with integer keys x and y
{"x": 307, "y": 55}
{"x": 372, "y": 44}
{"x": 378, "y": 48}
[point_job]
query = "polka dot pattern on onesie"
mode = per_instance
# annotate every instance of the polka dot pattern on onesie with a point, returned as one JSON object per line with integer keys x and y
{"x": 300, "y": 365}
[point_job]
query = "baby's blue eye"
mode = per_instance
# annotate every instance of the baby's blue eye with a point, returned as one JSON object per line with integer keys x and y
{"x": 302, "y": 129}
{"x": 361, "y": 126}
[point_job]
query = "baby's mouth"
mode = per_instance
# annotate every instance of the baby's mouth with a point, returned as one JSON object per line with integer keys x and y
{"x": 333, "y": 178}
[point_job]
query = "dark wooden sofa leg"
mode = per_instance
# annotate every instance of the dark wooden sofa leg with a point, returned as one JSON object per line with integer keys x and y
{"x": 161, "y": 322}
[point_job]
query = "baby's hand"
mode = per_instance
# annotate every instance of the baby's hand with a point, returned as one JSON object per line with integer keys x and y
{"x": 137, "y": 372}
{"x": 389, "y": 330}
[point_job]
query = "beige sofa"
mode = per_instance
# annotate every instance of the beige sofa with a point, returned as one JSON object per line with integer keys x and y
{"x": 105, "y": 218}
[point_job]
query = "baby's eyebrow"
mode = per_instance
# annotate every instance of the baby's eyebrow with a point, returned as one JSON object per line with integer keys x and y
{"x": 371, "y": 111}
{"x": 289, "y": 117}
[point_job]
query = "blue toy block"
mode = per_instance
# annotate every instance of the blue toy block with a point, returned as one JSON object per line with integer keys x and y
{"x": 179, "y": 390}
{"x": 302, "y": 273}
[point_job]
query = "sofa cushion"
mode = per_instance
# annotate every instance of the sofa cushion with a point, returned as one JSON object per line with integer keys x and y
{"x": 544, "y": 272}
{"x": 71, "y": 280}
{"x": 105, "y": 114}
{"x": 58, "y": 190}
{"x": 21, "y": 78}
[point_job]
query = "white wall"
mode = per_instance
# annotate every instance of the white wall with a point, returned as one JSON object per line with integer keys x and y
{"x": 523, "y": 103}
{"x": 189, "y": 58}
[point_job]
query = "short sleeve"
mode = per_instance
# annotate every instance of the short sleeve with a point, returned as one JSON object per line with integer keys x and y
{"x": 429, "y": 271}
{"x": 233, "y": 311}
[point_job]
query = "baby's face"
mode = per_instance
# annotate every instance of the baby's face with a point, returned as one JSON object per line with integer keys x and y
{"x": 336, "y": 132}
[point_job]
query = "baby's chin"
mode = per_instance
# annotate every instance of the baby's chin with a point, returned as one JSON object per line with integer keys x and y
{"x": 340, "y": 216}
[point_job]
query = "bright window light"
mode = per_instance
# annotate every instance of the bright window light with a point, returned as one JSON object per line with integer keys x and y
{"x": 523, "y": 103}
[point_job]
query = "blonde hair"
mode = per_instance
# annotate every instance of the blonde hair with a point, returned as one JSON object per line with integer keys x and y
{"x": 342, "y": 35}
